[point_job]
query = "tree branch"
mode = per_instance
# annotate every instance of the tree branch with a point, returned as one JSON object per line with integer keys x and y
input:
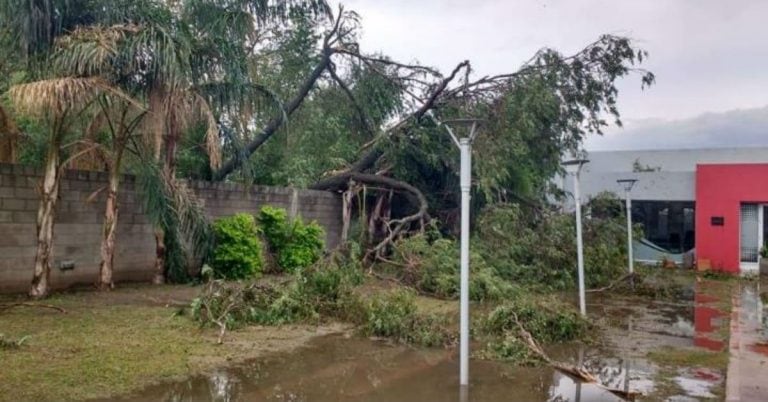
{"x": 395, "y": 226}
{"x": 276, "y": 122}
{"x": 374, "y": 153}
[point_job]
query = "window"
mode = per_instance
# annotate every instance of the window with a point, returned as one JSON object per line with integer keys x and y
{"x": 667, "y": 224}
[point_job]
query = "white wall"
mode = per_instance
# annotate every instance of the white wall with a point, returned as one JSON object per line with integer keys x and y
{"x": 681, "y": 160}
{"x": 674, "y": 181}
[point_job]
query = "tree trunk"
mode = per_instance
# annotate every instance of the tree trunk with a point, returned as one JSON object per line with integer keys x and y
{"x": 106, "y": 267}
{"x": 159, "y": 278}
{"x": 46, "y": 214}
{"x": 168, "y": 171}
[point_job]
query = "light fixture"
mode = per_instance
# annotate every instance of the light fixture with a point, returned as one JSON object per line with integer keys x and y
{"x": 465, "y": 183}
{"x": 627, "y": 184}
{"x": 573, "y": 167}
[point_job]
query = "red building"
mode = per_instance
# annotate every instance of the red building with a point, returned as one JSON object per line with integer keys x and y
{"x": 730, "y": 224}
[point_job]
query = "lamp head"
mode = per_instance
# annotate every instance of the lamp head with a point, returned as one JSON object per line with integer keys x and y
{"x": 573, "y": 166}
{"x": 627, "y": 183}
{"x": 467, "y": 126}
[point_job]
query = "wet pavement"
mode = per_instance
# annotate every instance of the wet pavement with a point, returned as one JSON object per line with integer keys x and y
{"x": 748, "y": 349}
{"x": 349, "y": 368}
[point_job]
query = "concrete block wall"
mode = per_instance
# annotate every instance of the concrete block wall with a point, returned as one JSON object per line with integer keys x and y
{"x": 80, "y": 210}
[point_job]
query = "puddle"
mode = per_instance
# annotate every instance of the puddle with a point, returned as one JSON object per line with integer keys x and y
{"x": 338, "y": 368}
{"x": 343, "y": 368}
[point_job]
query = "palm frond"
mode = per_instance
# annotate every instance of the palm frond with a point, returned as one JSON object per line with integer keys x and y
{"x": 90, "y": 50}
{"x": 56, "y": 96}
{"x": 212, "y": 139}
{"x": 239, "y": 98}
{"x": 171, "y": 206}
{"x": 159, "y": 54}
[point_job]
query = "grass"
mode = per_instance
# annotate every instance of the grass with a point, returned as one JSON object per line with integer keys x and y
{"x": 689, "y": 357}
{"x": 99, "y": 349}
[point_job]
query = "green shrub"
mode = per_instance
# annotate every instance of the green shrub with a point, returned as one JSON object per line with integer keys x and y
{"x": 323, "y": 290}
{"x": 295, "y": 245}
{"x": 389, "y": 315}
{"x": 394, "y": 315}
{"x": 539, "y": 250}
{"x": 547, "y": 319}
{"x": 433, "y": 267}
{"x": 237, "y": 254}
{"x": 510, "y": 348}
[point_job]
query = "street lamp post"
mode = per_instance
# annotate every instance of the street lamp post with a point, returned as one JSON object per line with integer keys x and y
{"x": 574, "y": 167}
{"x": 628, "y": 184}
{"x": 465, "y": 183}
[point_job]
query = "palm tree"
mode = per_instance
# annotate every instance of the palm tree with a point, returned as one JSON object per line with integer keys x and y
{"x": 151, "y": 63}
{"x": 159, "y": 54}
{"x": 61, "y": 103}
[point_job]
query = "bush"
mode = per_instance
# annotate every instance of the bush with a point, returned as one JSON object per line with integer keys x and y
{"x": 433, "y": 267}
{"x": 296, "y": 245}
{"x": 547, "y": 319}
{"x": 324, "y": 290}
{"x": 540, "y": 250}
{"x": 237, "y": 254}
{"x": 394, "y": 315}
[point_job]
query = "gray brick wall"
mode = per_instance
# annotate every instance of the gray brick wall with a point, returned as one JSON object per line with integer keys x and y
{"x": 77, "y": 234}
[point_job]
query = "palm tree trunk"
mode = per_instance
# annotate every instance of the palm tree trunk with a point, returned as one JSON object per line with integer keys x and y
{"x": 46, "y": 214}
{"x": 169, "y": 171}
{"x": 159, "y": 278}
{"x": 106, "y": 267}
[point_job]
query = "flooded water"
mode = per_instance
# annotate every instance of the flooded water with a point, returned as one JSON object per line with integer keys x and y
{"x": 350, "y": 368}
{"x": 341, "y": 368}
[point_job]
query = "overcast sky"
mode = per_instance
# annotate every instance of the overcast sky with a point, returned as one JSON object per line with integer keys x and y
{"x": 708, "y": 55}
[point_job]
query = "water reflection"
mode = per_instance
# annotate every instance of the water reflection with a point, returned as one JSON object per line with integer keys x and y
{"x": 707, "y": 320}
{"x": 339, "y": 368}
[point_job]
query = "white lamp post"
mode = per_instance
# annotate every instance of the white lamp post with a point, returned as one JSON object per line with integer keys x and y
{"x": 628, "y": 184}
{"x": 465, "y": 182}
{"x": 574, "y": 167}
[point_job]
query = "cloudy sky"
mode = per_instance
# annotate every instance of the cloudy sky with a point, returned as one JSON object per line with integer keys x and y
{"x": 710, "y": 56}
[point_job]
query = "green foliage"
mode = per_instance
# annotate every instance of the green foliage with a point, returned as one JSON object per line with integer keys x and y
{"x": 296, "y": 245}
{"x": 237, "y": 254}
{"x": 323, "y": 290}
{"x": 511, "y": 348}
{"x": 539, "y": 250}
{"x": 388, "y": 315}
{"x": 545, "y": 110}
{"x": 394, "y": 315}
{"x": 432, "y": 267}
{"x": 174, "y": 209}
{"x": 605, "y": 205}
{"x": 547, "y": 319}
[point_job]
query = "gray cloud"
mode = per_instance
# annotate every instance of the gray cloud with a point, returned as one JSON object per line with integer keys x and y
{"x": 737, "y": 128}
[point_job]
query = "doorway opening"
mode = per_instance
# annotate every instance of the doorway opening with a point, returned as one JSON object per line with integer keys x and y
{"x": 752, "y": 236}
